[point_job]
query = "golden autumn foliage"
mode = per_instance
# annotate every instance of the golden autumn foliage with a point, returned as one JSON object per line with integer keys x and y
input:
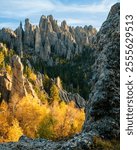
{"x": 41, "y": 95}
{"x": 30, "y": 74}
{"x": 1, "y": 58}
{"x": 54, "y": 93}
{"x": 5, "y": 56}
{"x": 54, "y": 120}
{"x": 46, "y": 116}
{"x": 9, "y": 126}
{"x": 14, "y": 131}
{"x": 30, "y": 113}
{"x": 8, "y": 69}
{"x": 62, "y": 121}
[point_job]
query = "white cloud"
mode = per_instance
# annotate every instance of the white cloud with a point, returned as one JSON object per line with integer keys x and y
{"x": 104, "y": 6}
{"x": 21, "y": 9}
{"x": 24, "y": 8}
{"x": 34, "y": 4}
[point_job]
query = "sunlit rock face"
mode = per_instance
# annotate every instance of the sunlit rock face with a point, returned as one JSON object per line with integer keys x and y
{"x": 102, "y": 109}
{"x": 20, "y": 85}
{"x": 48, "y": 40}
{"x": 68, "y": 96}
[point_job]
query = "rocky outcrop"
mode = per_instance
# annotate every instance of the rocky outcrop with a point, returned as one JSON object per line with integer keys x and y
{"x": 38, "y": 43}
{"x": 5, "y": 87}
{"x": 19, "y": 41}
{"x": 79, "y": 142}
{"x": 64, "y": 26}
{"x": 48, "y": 40}
{"x": 68, "y": 96}
{"x": 20, "y": 85}
{"x": 18, "y": 88}
{"x": 29, "y": 35}
{"x": 8, "y": 36}
{"x": 46, "y": 51}
{"x": 102, "y": 109}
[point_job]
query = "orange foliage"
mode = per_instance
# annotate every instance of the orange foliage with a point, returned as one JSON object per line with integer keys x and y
{"x": 30, "y": 113}
{"x": 34, "y": 119}
{"x": 64, "y": 120}
{"x": 9, "y": 126}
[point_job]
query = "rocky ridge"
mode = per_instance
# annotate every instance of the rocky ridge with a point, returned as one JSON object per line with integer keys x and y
{"x": 102, "y": 110}
{"x": 103, "y": 107}
{"x": 48, "y": 40}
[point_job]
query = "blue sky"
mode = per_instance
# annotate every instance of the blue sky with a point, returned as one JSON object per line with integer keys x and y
{"x": 75, "y": 12}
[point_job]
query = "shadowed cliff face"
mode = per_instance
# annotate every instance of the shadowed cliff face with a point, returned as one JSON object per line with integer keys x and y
{"x": 103, "y": 107}
{"x": 102, "y": 110}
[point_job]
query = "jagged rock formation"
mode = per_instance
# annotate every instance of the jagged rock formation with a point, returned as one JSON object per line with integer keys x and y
{"x": 18, "y": 88}
{"x": 68, "y": 96}
{"x": 102, "y": 110}
{"x": 48, "y": 40}
{"x": 5, "y": 86}
{"x": 19, "y": 42}
{"x": 20, "y": 85}
{"x": 8, "y": 36}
